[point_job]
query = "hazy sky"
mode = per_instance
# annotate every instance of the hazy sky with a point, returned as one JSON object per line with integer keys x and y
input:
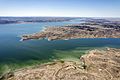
{"x": 79, "y": 8}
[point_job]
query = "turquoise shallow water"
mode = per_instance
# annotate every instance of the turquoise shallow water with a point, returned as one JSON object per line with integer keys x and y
{"x": 14, "y": 52}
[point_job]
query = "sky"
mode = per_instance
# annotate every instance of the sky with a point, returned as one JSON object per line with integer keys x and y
{"x": 60, "y": 8}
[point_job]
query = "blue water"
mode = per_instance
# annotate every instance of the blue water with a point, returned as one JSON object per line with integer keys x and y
{"x": 14, "y": 51}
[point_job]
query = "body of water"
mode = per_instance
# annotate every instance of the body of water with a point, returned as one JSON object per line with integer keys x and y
{"x": 14, "y": 53}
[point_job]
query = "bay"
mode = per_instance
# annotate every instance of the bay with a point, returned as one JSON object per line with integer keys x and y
{"x": 15, "y": 53}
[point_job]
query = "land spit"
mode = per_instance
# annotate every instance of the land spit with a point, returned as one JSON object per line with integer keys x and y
{"x": 96, "y": 65}
{"x": 75, "y": 31}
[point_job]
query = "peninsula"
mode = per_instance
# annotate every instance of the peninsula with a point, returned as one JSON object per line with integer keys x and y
{"x": 90, "y": 29}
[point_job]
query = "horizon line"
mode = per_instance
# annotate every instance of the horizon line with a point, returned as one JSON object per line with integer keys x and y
{"x": 64, "y": 16}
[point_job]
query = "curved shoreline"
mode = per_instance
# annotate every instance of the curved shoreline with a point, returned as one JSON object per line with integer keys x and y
{"x": 96, "y": 65}
{"x": 73, "y": 32}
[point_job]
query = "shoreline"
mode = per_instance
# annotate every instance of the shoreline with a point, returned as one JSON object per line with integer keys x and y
{"x": 92, "y": 61}
{"x": 73, "y": 32}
